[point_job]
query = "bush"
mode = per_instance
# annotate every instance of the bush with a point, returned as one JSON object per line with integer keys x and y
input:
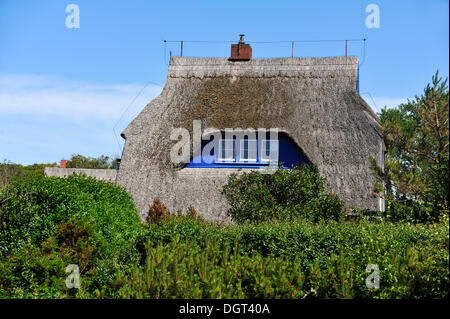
{"x": 74, "y": 240}
{"x": 157, "y": 212}
{"x": 286, "y": 194}
{"x": 182, "y": 270}
{"x": 47, "y": 223}
{"x": 190, "y": 258}
{"x": 31, "y": 210}
{"x": 10, "y": 172}
{"x": 39, "y": 271}
{"x": 94, "y": 224}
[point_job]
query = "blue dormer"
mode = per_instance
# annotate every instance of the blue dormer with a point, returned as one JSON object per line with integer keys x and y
{"x": 248, "y": 152}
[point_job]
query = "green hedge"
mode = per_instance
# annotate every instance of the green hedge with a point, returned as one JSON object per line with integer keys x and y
{"x": 36, "y": 212}
{"x": 286, "y": 194}
{"x": 48, "y": 223}
{"x": 413, "y": 259}
{"x": 32, "y": 208}
{"x": 185, "y": 270}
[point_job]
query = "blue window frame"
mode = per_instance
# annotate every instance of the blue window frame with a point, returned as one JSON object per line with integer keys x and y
{"x": 227, "y": 150}
{"x": 248, "y": 151}
{"x": 269, "y": 151}
{"x": 251, "y": 153}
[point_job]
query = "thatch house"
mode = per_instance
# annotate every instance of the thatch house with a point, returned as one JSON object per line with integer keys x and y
{"x": 313, "y": 102}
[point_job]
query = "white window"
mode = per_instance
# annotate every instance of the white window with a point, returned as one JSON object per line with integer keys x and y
{"x": 227, "y": 151}
{"x": 269, "y": 151}
{"x": 248, "y": 150}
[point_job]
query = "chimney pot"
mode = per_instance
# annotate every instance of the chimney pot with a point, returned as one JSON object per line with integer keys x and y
{"x": 241, "y": 51}
{"x": 63, "y": 164}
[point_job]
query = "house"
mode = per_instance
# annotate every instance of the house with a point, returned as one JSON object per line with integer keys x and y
{"x": 312, "y": 104}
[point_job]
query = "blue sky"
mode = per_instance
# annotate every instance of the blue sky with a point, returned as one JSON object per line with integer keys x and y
{"x": 62, "y": 90}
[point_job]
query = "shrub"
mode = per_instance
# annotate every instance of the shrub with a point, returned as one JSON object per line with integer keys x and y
{"x": 183, "y": 270}
{"x": 192, "y": 212}
{"x": 32, "y": 273}
{"x": 188, "y": 258}
{"x": 286, "y": 194}
{"x": 49, "y": 222}
{"x": 31, "y": 210}
{"x": 323, "y": 207}
{"x": 74, "y": 240}
{"x": 157, "y": 212}
{"x": 10, "y": 172}
{"x": 39, "y": 271}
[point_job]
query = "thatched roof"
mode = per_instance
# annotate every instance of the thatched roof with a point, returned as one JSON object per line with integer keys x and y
{"x": 313, "y": 100}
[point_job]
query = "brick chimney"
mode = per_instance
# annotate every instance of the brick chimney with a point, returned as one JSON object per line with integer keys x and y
{"x": 63, "y": 164}
{"x": 241, "y": 51}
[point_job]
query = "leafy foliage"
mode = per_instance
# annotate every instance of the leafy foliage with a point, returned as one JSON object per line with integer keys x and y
{"x": 31, "y": 210}
{"x": 157, "y": 212}
{"x": 416, "y": 172}
{"x": 11, "y": 172}
{"x": 288, "y": 193}
{"x": 47, "y": 223}
{"x": 39, "y": 271}
{"x": 101, "y": 162}
{"x": 189, "y": 258}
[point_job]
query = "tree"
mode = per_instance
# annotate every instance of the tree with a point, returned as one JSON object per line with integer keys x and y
{"x": 416, "y": 170}
{"x": 80, "y": 161}
{"x": 10, "y": 171}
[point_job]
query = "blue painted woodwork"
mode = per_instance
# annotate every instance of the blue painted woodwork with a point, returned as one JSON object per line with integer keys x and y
{"x": 289, "y": 155}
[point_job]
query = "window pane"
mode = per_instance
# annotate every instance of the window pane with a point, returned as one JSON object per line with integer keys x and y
{"x": 248, "y": 150}
{"x": 227, "y": 150}
{"x": 245, "y": 149}
{"x": 269, "y": 152}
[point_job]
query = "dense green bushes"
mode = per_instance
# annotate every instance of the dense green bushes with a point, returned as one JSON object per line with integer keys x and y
{"x": 32, "y": 208}
{"x": 185, "y": 270}
{"x": 49, "y": 223}
{"x": 300, "y": 258}
{"x": 307, "y": 240}
{"x": 11, "y": 172}
{"x": 39, "y": 270}
{"x": 38, "y": 215}
{"x": 285, "y": 194}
